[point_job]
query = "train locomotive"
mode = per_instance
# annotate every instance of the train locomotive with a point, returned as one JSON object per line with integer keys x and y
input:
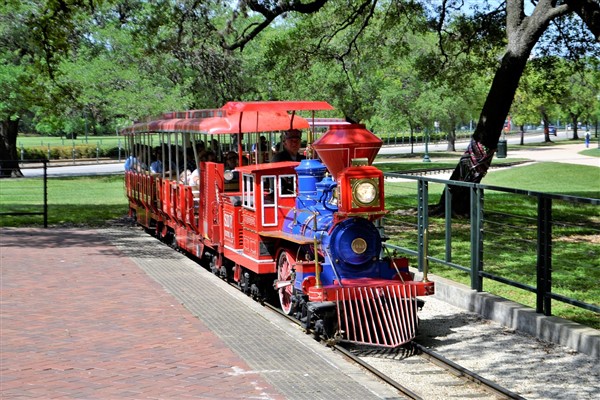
{"x": 307, "y": 234}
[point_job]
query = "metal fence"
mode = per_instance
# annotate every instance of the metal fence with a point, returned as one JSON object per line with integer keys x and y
{"x": 31, "y": 197}
{"x": 528, "y": 240}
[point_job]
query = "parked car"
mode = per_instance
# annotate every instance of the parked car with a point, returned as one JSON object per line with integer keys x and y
{"x": 552, "y": 130}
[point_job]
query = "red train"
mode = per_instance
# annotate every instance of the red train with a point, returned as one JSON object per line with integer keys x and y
{"x": 308, "y": 232}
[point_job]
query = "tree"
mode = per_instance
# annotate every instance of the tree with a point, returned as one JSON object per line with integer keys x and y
{"x": 201, "y": 40}
{"x": 33, "y": 37}
{"x": 522, "y": 33}
{"x": 107, "y": 63}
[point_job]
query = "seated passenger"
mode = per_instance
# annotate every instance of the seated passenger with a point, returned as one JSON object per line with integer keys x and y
{"x": 157, "y": 166}
{"x": 263, "y": 145}
{"x": 291, "y": 147}
{"x": 231, "y": 160}
{"x": 194, "y": 178}
{"x": 211, "y": 156}
{"x": 184, "y": 176}
{"x": 133, "y": 162}
{"x": 215, "y": 146}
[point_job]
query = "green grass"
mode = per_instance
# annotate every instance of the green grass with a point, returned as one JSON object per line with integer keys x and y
{"x": 52, "y": 141}
{"x": 549, "y": 177}
{"x": 72, "y": 201}
{"x": 592, "y": 152}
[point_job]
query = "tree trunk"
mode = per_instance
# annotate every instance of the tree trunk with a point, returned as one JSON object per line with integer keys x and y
{"x": 9, "y": 160}
{"x": 574, "y": 120}
{"x": 476, "y": 160}
{"x": 522, "y": 132}
{"x": 546, "y": 126}
{"x": 451, "y": 140}
{"x": 522, "y": 33}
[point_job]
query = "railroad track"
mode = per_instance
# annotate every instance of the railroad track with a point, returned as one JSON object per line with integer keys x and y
{"x": 359, "y": 356}
{"x": 417, "y": 350}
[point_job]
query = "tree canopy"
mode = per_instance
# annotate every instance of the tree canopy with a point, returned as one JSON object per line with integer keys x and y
{"x": 392, "y": 64}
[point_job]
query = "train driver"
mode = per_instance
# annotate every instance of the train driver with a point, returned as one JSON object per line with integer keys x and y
{"x": 291, "y": 147}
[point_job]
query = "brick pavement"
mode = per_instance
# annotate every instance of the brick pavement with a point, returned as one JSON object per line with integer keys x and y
{"x": 80, "y": 320}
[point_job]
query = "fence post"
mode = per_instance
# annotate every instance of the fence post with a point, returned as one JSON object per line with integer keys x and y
{"x": 422, "y": 219}
{"x": 448, "y": 222}
{"x": 476, "y": 238}
{"x": 45, "y": 193}
{"x": 544, "y": 258}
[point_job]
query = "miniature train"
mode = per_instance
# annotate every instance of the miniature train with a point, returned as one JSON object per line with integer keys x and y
{"x": 308, "y": 233}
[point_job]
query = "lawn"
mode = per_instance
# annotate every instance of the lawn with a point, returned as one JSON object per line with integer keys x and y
{"x": 72, "y": 201}
{"x": 53, "y": 141}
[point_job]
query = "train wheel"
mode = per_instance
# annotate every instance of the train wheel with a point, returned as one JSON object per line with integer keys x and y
{"x": 285, "y": 283}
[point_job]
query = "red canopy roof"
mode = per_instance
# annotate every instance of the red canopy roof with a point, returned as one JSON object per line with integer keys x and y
{"x": 256, "y": 116}
{"x": 243, "y": 106}
{"x": 259, "y": 121}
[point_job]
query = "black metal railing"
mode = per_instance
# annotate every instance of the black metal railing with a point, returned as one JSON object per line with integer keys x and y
{"x": 514, "y": 231}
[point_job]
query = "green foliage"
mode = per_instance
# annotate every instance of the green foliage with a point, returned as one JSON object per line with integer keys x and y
{"x": 73, "y": 65}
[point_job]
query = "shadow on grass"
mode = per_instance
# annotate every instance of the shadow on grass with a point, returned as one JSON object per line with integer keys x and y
{"x": 63, "y": 215}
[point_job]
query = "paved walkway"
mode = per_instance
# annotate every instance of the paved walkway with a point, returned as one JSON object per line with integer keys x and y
{"x": 563, "y": 153}
{"x": 114, "y": 314}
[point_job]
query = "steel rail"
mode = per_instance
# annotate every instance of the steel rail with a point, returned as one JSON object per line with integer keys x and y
{"x": 459, "y": 371}
{"x": 357, "y": 360}
{"x": 396, "y": 385}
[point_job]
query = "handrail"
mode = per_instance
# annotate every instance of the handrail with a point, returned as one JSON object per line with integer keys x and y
{"x": 476, "y": 269}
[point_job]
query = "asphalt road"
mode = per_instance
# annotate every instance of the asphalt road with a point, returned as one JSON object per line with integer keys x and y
{"x": 75, "y": 170}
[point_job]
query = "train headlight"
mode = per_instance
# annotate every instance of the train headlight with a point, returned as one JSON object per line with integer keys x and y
{"x": 228, "y": 175}
{"x": 365, "y": 192}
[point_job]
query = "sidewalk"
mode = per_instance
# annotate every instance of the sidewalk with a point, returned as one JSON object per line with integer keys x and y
{"x": 563, "y": 153}
{"x": 79, "y": 320}
{"x": 115, "y": 314}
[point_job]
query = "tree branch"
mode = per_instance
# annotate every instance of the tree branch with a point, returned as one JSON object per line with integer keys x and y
{"x": 270, "y": 11}
{"x": 589, "y": 12}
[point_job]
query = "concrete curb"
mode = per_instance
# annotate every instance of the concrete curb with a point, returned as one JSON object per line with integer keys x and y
{"x": 516, "y": 316}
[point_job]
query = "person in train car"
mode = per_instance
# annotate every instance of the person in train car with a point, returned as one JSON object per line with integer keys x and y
{"x": 190, "y": 163}
{"x": 263, "y": 145}
{"x": 231, "y": 160}
{"x": 157, "y": 165}
{"x": 261, "y": 150}
{"x": 205, "y": 156}
{"x": 215, "y": 146}
{"x": 133, "y": 162}
{"x": 291, "y": 147}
